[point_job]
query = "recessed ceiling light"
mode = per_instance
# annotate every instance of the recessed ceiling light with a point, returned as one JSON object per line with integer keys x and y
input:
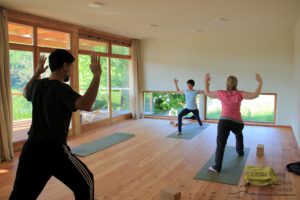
{"x": 221, "y": 19}
{"x": 96, "y": 5}
{"x": 153, "y": 26}
{"x": 199, "y": 30}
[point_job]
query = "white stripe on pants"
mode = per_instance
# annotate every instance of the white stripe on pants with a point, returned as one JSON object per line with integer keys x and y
{"x": 82, "y": 171}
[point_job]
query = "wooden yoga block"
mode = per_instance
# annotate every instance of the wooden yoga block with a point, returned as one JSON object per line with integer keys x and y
{"x": 174, "y": 123}
{"x": 260, "y": 150}
{"x": 169, "y": 193}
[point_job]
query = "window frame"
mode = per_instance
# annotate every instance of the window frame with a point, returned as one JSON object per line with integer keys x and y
{"x": 109, "y": 55}
{"x": 51, "y": 29}
{"x": 34, "y": 47}
{"x": 88, "y": 53}
{"x": 94, "y": 40}
{"x": 204, "y": 110}
{"x": 250, "y": 122}
{"x": 25, "y": 24}
{"x": 76, "y": 31}
{"x": 36, "y": 50}
{"x": 123, "y": 45}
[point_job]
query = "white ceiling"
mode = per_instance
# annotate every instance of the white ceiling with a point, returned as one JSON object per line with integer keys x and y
{"x": 173, "y": 17}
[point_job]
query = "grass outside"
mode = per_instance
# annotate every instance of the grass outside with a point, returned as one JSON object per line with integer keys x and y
{"x": 257, "y": 110}
{"x": 22, "y": 109}
{"x": 264, "y": 117}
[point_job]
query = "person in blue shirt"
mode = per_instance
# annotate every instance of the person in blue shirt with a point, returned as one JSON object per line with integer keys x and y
{"x": 190, "y": 100}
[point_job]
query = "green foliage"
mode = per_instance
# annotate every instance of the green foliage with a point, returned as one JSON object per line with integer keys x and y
{"x": 160, "y": 103}
{"x": 85, "y": 74}
{"x": 164, "y": 102}
{"x": 21, "y": 108}
{"x": 100, "y": 48}
{"x": 116, "y": 49}
{"x": 213, "y": 114}
{"x": 119, "y": 82}
{"x": 21, "y": 68}
{"x": 120, "y": 73}
{"x": 267, "y": 117}
{"x": 260, "y": 109}
{"x": 120, "y": 99}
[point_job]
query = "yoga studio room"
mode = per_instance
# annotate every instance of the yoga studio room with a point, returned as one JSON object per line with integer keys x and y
{"x": 150, "y": 100}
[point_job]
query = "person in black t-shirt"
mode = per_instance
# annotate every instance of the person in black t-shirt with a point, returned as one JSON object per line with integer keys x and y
{"x": 46, "y": 153}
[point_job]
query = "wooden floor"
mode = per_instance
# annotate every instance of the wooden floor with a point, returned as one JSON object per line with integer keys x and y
{"x": 138, "y": 168}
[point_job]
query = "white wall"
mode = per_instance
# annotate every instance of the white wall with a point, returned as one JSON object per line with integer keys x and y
{"x": 192, "y": 56}
{"x": 296, "y": 88}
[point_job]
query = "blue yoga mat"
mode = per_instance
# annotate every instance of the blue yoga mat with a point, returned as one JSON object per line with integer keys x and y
{"x": 189, "y": 131}
{"x": 100, "y": 144}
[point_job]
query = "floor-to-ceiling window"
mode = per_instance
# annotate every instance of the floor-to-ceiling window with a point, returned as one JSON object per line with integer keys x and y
{"x": 100, "y": 109}
{"x": 30, "y": 38}
{"x": 113, "y": 95}
{"x": 27, "y": 42}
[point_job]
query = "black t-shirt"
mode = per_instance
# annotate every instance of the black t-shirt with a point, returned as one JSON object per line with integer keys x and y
{"x": 52, "y": 105}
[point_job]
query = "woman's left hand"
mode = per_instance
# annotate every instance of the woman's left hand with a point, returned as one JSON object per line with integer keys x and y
{"x": 258, "y": 77}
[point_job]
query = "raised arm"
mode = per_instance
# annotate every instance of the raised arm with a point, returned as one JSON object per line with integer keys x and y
{"x": 176, "y": 85}
{"x": 39, "y": 70}
{"x": 201, "y": 92}
{"x": 87, "y": 100}
{"x": 206, "y": 91}
{"x": 255, "y": 94}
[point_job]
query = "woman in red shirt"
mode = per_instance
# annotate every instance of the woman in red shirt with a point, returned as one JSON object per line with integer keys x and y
{"x": 230, "y": 119}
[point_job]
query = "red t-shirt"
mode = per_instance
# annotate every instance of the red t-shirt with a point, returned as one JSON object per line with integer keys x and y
{"x": 231, "y": 104}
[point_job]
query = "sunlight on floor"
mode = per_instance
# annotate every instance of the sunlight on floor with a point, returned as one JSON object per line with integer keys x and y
{"x": 3, "y": 171}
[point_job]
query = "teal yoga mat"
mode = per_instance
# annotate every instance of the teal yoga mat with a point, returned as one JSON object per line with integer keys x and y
{"x": 233, "y": 167}
{"x": 100, "y": 144}
{"x": 189, "y": 131}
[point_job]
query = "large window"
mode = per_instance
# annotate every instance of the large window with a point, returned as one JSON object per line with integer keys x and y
{"x": 23, "y": 49}
{"x": 164, "y": 103}
{"x": 100, "y": 107}
{"x": 29, "y": 40}
{"x": 120, "y": 85}
{"x": 261, "y": 109}
{"x": 21, "y": 70}
{"x": 117, "y": 60}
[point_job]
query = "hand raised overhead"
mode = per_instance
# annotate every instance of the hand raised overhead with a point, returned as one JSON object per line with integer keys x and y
{"x": 95, "y": 64}
{"x": 258, "y": 77}
{"x": 40, "y": 66}
{"x": 207, "y": 78}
